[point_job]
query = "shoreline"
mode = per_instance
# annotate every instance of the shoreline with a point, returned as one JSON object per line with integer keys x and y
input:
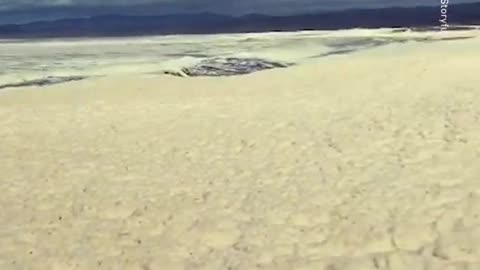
{"x": 332, "y": 45}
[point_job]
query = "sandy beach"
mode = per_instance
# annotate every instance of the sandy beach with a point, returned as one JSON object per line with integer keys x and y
{"x": 353, "y": 162}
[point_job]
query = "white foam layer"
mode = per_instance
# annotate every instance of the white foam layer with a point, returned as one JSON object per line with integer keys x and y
{"x": 33, "y": 59}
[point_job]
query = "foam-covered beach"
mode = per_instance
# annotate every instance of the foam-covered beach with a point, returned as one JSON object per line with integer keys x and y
{"x": 366, "y": 160}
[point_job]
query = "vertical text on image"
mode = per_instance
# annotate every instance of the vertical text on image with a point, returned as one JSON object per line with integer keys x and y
{"x": 443, "y": 15}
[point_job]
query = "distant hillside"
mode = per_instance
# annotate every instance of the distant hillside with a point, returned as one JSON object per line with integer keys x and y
{"x": 207, "y": 23}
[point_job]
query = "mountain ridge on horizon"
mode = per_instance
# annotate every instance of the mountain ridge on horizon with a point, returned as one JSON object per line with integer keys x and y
{"x": 212, "y": 23}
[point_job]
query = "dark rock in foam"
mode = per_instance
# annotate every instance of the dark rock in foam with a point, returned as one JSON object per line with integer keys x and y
{"x": 44, "y": 81}
{"x": 227, "y": 67}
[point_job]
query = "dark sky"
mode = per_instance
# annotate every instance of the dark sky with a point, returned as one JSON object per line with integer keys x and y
{"x": 18, "y": 11}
